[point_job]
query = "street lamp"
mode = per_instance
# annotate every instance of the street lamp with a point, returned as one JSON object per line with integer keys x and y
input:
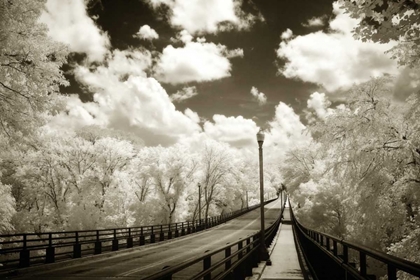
{"x": 199, "y": 203}
{"x": 264, "y": 256}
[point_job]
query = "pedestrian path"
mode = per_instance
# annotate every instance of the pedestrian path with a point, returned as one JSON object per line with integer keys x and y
{"x": 284, "y": 259}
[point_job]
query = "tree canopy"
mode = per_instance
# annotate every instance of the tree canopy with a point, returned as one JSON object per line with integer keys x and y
{"x": 388, "y": 20}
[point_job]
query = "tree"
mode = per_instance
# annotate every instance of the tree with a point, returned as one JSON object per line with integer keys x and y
{"x": 215, "y": 167}
{"x": 386, "y": 20}
{"x": 7, "y": 209}
{"x": 363, "y": 177}
{"x": 171, "y": 170}
{"x": 30, "y": 64}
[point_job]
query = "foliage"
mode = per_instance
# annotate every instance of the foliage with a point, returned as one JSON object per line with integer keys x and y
{"x": 30, "y": 64}
{"x": 360, "y": 177}
{"x": 385, "y": 20}
{"x": 7, "y": 210}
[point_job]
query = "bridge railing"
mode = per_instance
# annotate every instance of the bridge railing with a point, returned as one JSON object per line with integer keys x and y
{"x": 339, "y": 250}
{"x": 25, "y": 249}
{"x": 233, "y": 261}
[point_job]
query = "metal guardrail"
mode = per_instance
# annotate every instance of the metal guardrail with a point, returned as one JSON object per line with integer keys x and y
{"x": 25, "y": 249}
{"x": 233, "y": 261}
{"x": 338, "y": 250}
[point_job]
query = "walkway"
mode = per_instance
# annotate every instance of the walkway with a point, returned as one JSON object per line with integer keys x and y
{"x": 285, "y": 263}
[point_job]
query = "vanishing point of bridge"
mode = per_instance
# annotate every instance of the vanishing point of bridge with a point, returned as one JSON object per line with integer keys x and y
{"x": 222, "y": 247}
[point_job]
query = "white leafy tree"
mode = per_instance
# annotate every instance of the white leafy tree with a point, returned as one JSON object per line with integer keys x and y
{"x": 30, "y": 64}
{"x": 361, "y": 178}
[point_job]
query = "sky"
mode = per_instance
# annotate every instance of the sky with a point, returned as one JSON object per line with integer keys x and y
{"x": 186, "y": 70}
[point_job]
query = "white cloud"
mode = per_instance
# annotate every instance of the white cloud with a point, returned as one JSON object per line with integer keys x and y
{"x": 192, "y": 115}
{"x": 69, "y": 23}
{"x": 314, "y": 22}
{"x": 199, "y": 16}
{"x": 236, "y": 131}
{"x": 285, "y": 132}
{"x": 130, "y": 62}
{"x": 259, "y": 96}
{"x": 146, "y": 33}
{"x": 334, "y": 60}
{"x": 286, "y": 35}
{"x": 319, "y": 103}
{"x": 195, "y": 62}
{"x": 184, "y": 94}
{"x": 234, "y": 53}
{"x": 129, "y": 100}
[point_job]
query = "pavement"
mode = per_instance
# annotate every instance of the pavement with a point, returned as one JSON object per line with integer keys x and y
{"x": 285, "y": 263}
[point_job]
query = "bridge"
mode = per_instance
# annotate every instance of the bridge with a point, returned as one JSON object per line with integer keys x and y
{"x": 222, "y": 247}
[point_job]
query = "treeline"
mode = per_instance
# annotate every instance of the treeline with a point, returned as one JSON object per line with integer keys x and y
{"x": 89, "y": 180}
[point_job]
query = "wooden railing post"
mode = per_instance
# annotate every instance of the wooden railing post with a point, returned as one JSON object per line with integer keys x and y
{"x": 228, "y": 263}
{"x": 169, "y": 231}
{"x": 207, "y": 265}
{"x": 152, "y": 236}
{"x": 77, "y": 247}
{"x": 161, "y": 234}
{"x": 345, "y": 254}
{"x": 182, "y": 229}
{"x": 362, "y": 258}
{"x": 240, "y": 246}
{"x": 115, "y": 241}
{"x": 141, "y": 239}
{"x": 176, "y": 231}
{"x": 129, "y": 239}
{"x": 98, "y": 244}
{"x": 335, "y": 247}
{"x": 50, "y": 251}
{"x": 24, "y": 255}
{"x": 392, "y": 272}
{"x": 248, "y": 264}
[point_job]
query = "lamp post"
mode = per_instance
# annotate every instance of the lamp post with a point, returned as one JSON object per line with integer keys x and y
{"x": 199, "y": 203}
{"x": 281, "y": 196}
{"x": 246, "y": 192}
{"x": 264, "y": 256}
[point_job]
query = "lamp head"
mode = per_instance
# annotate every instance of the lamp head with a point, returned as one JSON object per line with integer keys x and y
{"x": 260, "y": 137}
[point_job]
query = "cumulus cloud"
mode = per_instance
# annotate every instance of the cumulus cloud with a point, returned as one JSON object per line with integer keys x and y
{"x": 259, "y": 96}
{"x": 314, "y": 22}
{"x": 195, "y": 62}
{"x": 184, "y": 94}
{"x": 146, "y": 33}
{"x": 236, "y": 131}
{"x": 208, "y": 16}
{"x": 319, "y": 103}
{"x": 334, "y": 59}
{"x": 126, "y": 99}
{"x": 286, "y": 35}
{"x": 192, "y": 115}
{"x": 285, "y": 131}
{"x": 234, "y": 53}
{"x": 69, "y": 23}
{"x": 130, "y": 62}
